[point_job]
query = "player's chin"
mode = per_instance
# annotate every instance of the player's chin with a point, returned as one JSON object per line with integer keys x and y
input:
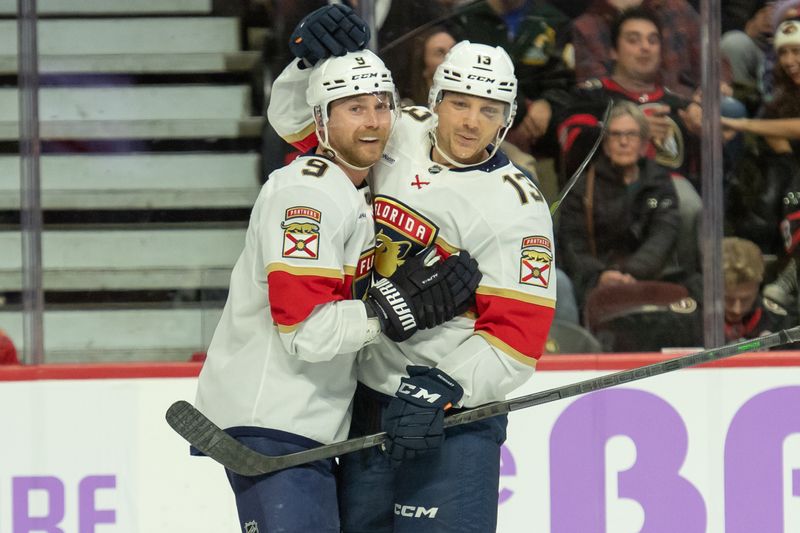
{"x": 364, "y": 158}
{"x": 467, "y": 155}
{"x": 372, "y": 150}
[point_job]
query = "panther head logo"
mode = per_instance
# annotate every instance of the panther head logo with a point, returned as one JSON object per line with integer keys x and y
{"x": 389, "y": 254}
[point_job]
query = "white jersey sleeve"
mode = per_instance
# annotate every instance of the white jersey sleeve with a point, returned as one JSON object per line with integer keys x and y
{"x": 313, "y": 233}
{"x": 283, "y": 354}
{"x": 288, "y": 111}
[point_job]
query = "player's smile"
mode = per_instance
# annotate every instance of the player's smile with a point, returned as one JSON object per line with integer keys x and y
{"x": 466, "y": 139}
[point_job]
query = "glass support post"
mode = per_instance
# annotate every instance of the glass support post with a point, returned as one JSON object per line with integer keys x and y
{"x": 711, "y": 144}
{"x": 30, "y": 183}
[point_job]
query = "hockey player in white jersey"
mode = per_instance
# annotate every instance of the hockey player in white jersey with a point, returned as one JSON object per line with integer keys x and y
{"x": 280, "y": 372}
{"x": 443, "y": 182}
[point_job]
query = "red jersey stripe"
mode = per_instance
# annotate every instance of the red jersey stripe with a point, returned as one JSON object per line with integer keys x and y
{"x": 520, "y": 325}
{"x": 292, "y": 297}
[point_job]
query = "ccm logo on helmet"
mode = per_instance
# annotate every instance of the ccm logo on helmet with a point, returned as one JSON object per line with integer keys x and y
{"x": 362, "y": 76}
{"x": 476, "y": 77}
{"x": 411, "y": 511}
{"x": 417, "y": 392}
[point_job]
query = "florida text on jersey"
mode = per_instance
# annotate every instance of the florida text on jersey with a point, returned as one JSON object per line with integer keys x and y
{"x": 493, "y": 211}
{"x": 497, "y": 214}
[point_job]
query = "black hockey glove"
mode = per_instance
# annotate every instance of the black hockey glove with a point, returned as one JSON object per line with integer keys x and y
{"x": 422, "y": 294}
{"x": 463, "y": 277}
{"x": 331, "y": 30}
{"x": 399, "y": 300}
{"x": 414, "y": 419}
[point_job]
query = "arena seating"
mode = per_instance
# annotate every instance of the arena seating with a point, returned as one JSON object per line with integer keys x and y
{"x": 137, "y": 181}
{"x": 151, "y": 125}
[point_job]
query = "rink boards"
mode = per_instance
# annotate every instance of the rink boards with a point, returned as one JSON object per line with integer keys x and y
{"x": 85, "y": 448}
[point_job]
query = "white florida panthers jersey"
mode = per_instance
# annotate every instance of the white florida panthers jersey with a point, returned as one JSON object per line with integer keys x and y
{"x": 491, "y": 210}
{"x": 283, "y": 354}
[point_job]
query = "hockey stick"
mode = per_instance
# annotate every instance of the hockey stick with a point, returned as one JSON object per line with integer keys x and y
{"x": 585, "y": 163}
{"x": 204, "y": 435}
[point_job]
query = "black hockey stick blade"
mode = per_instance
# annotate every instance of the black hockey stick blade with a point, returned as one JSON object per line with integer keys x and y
{"x": 204, "y": 435}
{"x": 212, "y": 441}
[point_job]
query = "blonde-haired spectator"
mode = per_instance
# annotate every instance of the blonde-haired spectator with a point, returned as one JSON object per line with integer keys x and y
{"x": 747, "y": 313}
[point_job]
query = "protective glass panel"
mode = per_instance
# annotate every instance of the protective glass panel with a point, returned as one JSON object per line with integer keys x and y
{"x": 150, "y": 117}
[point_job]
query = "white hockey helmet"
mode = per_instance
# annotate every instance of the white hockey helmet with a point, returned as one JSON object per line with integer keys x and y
{"x": 478, "y": 70}
{"x": 354, "y": 73}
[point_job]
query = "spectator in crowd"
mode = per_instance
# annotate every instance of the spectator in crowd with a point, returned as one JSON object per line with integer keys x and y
{"x": 536, "y": 36}
{"x": 785, "y": 10}
{"x": 736, "y": 13}
{"x": 747, "y": 313}
{"x": 745, "y": 50}
{"x": 8, "y": 353}
{"x": 428, "y": 52}
{"x": 674, "y": 122}
{"x": 758, "y": 184}
{"x": 781, "y": 11}
{"x": 620, "y": 223}
{"x": 594, "y": 41}
{"x": 780, "y": 124}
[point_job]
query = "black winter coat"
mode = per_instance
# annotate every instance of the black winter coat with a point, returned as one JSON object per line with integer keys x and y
{"x": 635, "y": 226}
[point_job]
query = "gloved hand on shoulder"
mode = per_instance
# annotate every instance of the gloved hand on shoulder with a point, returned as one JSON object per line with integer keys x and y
{"x": 332, "y": 30}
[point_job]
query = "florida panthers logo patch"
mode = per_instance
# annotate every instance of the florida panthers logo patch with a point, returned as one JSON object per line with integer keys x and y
{"x": 402, "y": 233}
{"x": 536, "y": 260}
{"x": 301, "y": 237}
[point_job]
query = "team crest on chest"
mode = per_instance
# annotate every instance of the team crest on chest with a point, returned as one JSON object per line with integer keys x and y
{"x": 301, "y": 233}
{"x": 536, "y": 260}
{"x": 402, "y": 233}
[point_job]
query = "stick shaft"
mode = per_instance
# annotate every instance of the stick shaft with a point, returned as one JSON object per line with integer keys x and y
{"x": 588, "y": 159}
{"x": 204, "y": 435}
{"x": 624, "y": 376}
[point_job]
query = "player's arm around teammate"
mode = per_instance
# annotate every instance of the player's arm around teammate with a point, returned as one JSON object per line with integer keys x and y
{"x": 280, "y": 370}
{"x": 441, "y": 178}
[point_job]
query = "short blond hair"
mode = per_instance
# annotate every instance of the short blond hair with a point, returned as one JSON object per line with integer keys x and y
{"x": 742, "y": 261}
